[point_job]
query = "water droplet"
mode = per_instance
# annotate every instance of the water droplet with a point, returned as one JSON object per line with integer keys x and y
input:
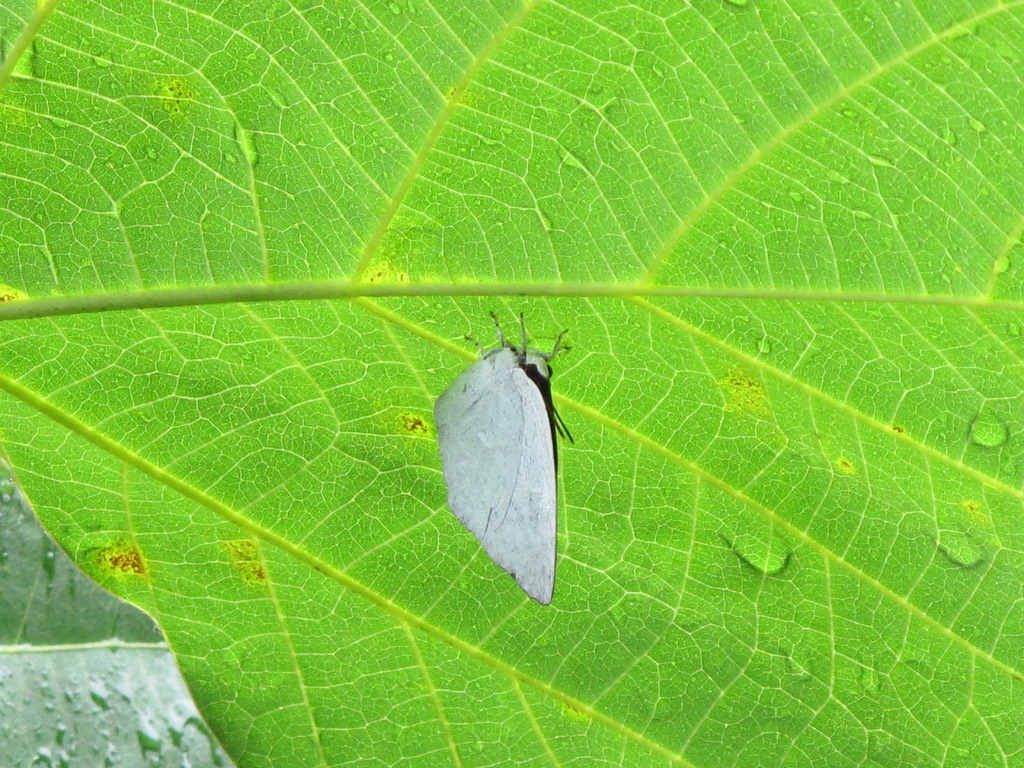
{"x": 862, "y": 215}
{"x": 976, "y": 125}
{"x": 796, "y": 197}
{"x": 1002, "y": 263}
{"x": 1007, "y": 51}
{"x": 571, "y": 161}
{"x": 988, "y": 430}
{"x": 247, "y": 143}
{"x": 880, "y": 161}
{"x": 800, "y": 663}
{"x": 765, "y": 347}
{"x": 737, "y": 3}
{"x": 98, "y": 693}
{"x": 545, "y": 220}
{"x": 768, "y": 554}
{"x": 962, "y": 549}
{"x": 49, "y": 561}
{"x": 869, "y": 679}
{"x": 149, "y": 736}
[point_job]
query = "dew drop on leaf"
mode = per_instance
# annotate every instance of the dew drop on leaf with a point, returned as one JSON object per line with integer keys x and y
{"x": 769, "y": 555}
{"x": 149, "y": 736}
{"x": 98, "y": 694}
{"x": 961, "y": 549}
{"x": 988, "y": 431}
{"x": 869, "y": 679}
{"x": 49, "y": 561}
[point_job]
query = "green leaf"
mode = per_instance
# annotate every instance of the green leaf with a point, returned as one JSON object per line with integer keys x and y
{"x": 242, "y": 244}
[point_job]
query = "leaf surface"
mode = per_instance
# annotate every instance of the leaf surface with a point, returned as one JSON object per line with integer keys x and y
{"x": 242, "y": 245}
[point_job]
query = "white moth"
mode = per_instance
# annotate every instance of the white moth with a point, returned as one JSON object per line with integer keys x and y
{"x": 496, "y": 429}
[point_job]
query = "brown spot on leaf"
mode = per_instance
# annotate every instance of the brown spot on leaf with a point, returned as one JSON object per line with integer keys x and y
{"x": 120, "y": 559}
{"x": 175, "y": 96}
{"x": 976, "y": 511}
{"x": 743, "y": 393}
{"x": 383, "y": 272}
{"x": 7, "y": 293}
{"x": 845, "y": 466}
{"x": 414, "y": 424}
{"x": 245, "y": 557}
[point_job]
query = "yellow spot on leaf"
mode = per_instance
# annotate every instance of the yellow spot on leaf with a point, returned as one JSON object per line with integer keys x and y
{"x": 744, "y": 394}
{"x": 383, "y": 272}
{"x": 845, "y": 467}
{"x": 574, "y": 713}
{"x": 121, "y": 559}
{"x": 976, "y": 511}
{"x": 245, "y": 557}
{"x": 8, "y": 293}
{"x": 414, "y": 424}
{"x": 175, "y": 96}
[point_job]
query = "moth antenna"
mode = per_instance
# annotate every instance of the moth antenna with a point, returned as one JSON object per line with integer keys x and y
{"x": 497, "y": 329}
{"x": 477, "y": 344}
{"x": 548, "y": 356}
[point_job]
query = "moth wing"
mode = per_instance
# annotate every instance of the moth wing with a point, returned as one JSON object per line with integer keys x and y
{"x": 498, "y": 458}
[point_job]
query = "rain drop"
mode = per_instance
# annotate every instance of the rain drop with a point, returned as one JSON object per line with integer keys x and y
{"x": 770, "y": 555}
{"x": 988, "y": 431}
{"x": 869, "y": 680}
{"x": 961, "y": 549}
{"x": 49, "y": 561}
{"x": 98, "y": 693}
{"x": 149, "y": 736}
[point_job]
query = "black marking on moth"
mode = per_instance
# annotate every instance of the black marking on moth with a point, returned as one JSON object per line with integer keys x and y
{"x": 543, "y": 384}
